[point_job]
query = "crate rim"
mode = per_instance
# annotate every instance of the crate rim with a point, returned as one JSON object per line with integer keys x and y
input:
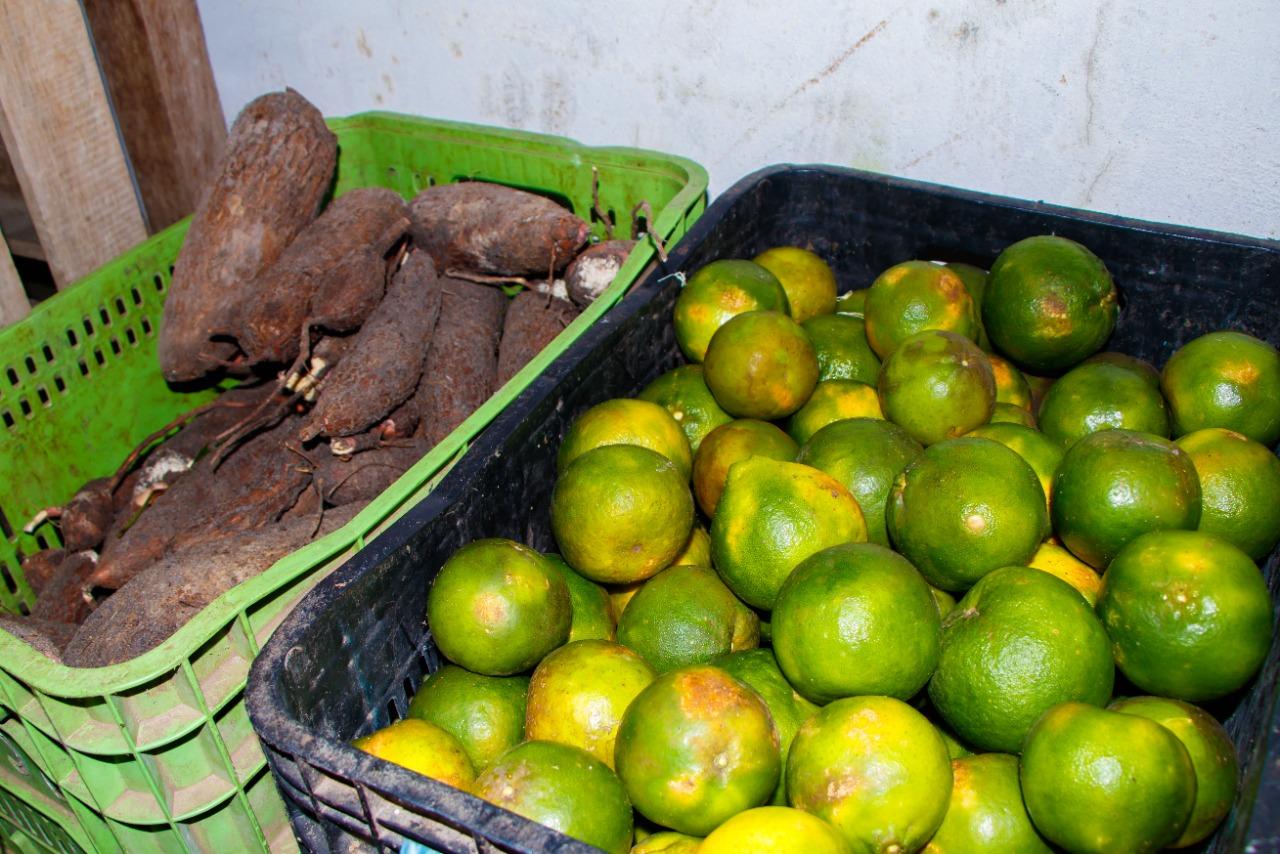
{"x": 54, "y": 678}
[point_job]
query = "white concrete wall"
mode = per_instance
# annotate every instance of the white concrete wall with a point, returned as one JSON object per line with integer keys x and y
{"x": 1163, "y": 111}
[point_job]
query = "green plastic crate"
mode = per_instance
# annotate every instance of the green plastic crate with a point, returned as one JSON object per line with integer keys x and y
{"x": 157, "y": 753}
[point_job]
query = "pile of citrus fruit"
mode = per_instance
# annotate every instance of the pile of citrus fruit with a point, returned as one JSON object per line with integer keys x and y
{"x": 915, "y": 568}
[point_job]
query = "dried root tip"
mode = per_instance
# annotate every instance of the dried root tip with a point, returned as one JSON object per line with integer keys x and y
{"x": 40, "y": 518}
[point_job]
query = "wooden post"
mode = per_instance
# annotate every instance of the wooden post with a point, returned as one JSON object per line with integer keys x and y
{"x": 60, "y": 134}
{"x": 13, "y": 299}
{"x": 156, "y": 64}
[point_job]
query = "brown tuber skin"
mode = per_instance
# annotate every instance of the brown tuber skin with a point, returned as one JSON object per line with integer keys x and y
{"x": 382, "y": 368}
{"x": 63, "y": 599}
{"x": 594, "y": 270}
{"x": 462, "y": 366}
{"x": 533, "y": 319}
{"x": 339, "y": 254}
{"x": 48, "y": 637}
{"x": 495, "y": 230}
{"x": 277, "y": 168}
{"x": 87, "y": 517}
{"x": 161, "y": 600}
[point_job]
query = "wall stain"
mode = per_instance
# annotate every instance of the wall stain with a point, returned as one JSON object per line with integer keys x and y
{"x": 1090, "y": 66}
{"x": 951, "y": 140}
{"x": 840, "y": 60}
{"x": 362, "y": 44}
{"x": 456, "y": 50}
{"x": 1088, "y": 192}
{"x": 387, "y": 81}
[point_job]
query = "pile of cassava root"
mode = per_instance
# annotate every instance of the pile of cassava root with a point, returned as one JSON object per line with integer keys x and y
{"x": 362, "y": 335}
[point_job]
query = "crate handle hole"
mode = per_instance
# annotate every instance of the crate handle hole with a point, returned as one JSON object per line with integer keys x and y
{"x": 31, "y": 365}
{"x": 7, "y": 417}
{"x": 146, "y": 326}
{"x": 88, "y": 327}
{"x": 84, "y": 367}
{"x": 115, "y": 346}
{"x": 47, "y": 352}
{"x": 59, "y": 384}
{"x": 98, "y": 357}
{"x": 131, "y": 337}
{"x": 12, "y": 376}
{"x": 71, "y": 337}
{"x": 106, "y": 317}
{"x": 43, "y": 394}
{"x": 158, "y": 282}
{"x": 137, "y": 296}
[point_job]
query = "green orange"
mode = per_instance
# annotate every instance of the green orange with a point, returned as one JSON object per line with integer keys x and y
{"x": 621, "y": 513}
{"x": 564, "y": 788}
{"x": 965, "y": 507}
{"x": 626, "y": 421}
{"x": 1061, "y": 563}
{"x": 683, "y": 392}
{"x": 758, "y": 668}
{"x": 975, "y": 282}
{"x": 937, "y": 385}
{"x": 484, "y": 713}
{"x": 695, "y": 748}
{"x": 686, "y": 615}
{"x": 865, "y": 455}
{"x": 1140, "y": 367}
{"x": 1049, "y": 303}
{"x": 592, "y": 611}
{"x": 778, "y": 829}
{"x": 1213, "y": 756}
{"x": 1019, "y": 642}
{"x": 876, "y": 769}
{"x": 1040, "y": 452}
{"x": 497, "y": 607}
{"x": 840, "y": 342}
{"x": 1101, "y": 395}
{"x": 731, "y": 443}
{"x": 805, "y": 276}
{"x": 1113, "y": 485}
{"x": 761, "y": 365}
{"x": 914, "y": 296}
{"x": 666, "y": 842}
{"x": 856, "y": 619}
{"x": 1239, "y": 488}
{"x": 697, "y": 549}
{"x": 422, "y": 747}
{"x": 834, "y": 400}
{"x": 578, "y": 693}
{"x": 852, "y": 303}
{"x": 1100, "y": 781}
{"x": 986, "y": 812}
{"x": 718, "y": 291}
{"x": 1011, "y": 385}
{"x": 1188, "y": 614}
{"x": 771, "y": 516}
{"x": 1225, "y": 379}
{"x": 1007, "y": 413}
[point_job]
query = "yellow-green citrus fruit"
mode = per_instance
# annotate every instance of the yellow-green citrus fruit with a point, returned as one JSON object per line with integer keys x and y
{"x": 1061, "y": 563}
{"x": 621, "y": 513}
{"x": 1239, "y": 488}
{"x": 718, "y": 291}
{"x": 771, "y": 516}
{"x": 840, "y": 342}
{"x": 914, "y": 296}
{"x": 697, "y": 549}
{"x": 1007, "y": 413}
{"x": 592, "y": 610}
{"x": 937, "y": 385}
{"x": 807, "y": 279}
{"x": 761, "y": 365}
{"x": 831, "y": 401}
{"x": 578, "y": 693}
{"x": 944, "y": 600}
{"x": 422, "y": 747}
{"x": 695, "y": 748}
{"x": 986, "y": 812}
{"x": 1141, "y": 367}
{"x": 1018, "y": 643}
{"x": 683, "y": 392}
{"x": 1011, "y": 385}
{"x": 856, "y": 619}
{"x": 1101, "y": 396}
{"x": 865, "y": 455}
{"x": 1049, "y": 303}
{"x": 686, "y": 615}
{"x": 626, "y": 421}
{"x": 1113, "y": 485}
{"x": 484, "y": 713}
{"x": 497, "y": 607}
{"x": 975, "y": 282}
{"x": 876, "y": 769}
{"x": 1188, "y": 614}
{"x": 1041, "y": 453}
{"x": 759, "y": 669}
{"x": 731, "y": 443}
{"x": 666, "y": 842}
{"x": 1212, "y": 755}
{"x": 1100, "y": 781}
{"x": 782, "y": 830}
{"x": 564, "y": 788}
{"x": 965, "y": 507}
{"x": 852, "y": 303}
{"x": 1225, "y": 379}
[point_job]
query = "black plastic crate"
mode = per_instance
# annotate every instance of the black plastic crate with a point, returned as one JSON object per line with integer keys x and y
{"x": 351, "y": 655}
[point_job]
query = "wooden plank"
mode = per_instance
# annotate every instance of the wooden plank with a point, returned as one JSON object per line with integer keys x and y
{"x": 59, "y": 132}
{"x": 13, "y": 299}
{"x": 154, "y": 58}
